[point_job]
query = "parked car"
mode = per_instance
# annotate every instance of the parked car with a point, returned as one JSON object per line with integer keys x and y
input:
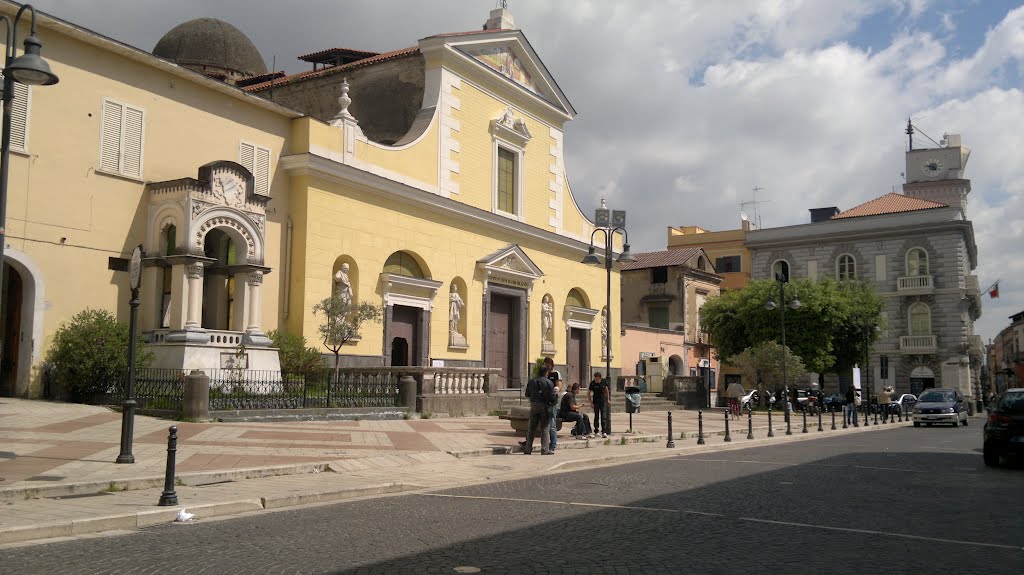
{"x": 749, "y": 398}
{"x": 1004, "y": 430}
{"x": 906, "y": 402}
{"x": 834, "y": 402}
{"x": 940, "y": 405}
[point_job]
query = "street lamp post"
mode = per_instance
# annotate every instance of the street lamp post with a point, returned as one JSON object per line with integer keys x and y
{"x": 782, "y": 279}
{"x": 31, "y": 70}
{"x": 608, "y": 222}
{"x": 866, "y": 386}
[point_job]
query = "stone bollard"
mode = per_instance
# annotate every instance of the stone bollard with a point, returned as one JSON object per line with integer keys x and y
{"x": 750, "y": 422}
{"x": 195, "y": 405}
{"x": 700, "y": 427}
{"x": 169, "y": 497}
{"x": 727, "y": 436}
{"x": 670, "y": 442}
{"x": 407, "y": 391}
{"x": 771, "y": 431}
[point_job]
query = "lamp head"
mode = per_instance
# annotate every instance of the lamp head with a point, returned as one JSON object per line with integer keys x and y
{"x": 626, "y": 257}
{"x": 30, "y": 68}
{"x": 591, "y": 258}
{"x": 770, "y": 305}
{"x": 795, "y": 303}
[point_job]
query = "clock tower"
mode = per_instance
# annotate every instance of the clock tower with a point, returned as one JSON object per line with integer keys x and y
{"x": 937, "y": 174}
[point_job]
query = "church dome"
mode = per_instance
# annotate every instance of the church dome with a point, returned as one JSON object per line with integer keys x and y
{"x": 213, "y": 47}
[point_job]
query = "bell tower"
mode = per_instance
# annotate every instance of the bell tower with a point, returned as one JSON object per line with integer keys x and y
{"x": 937, "y": 174}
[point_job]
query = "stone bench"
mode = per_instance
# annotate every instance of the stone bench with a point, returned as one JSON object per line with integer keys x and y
{"x": 519, "y": 417}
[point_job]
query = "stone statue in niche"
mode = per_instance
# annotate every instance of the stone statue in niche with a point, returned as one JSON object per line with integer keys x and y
{"x": 547, "y": 322}
{"x": 455, "y": 303}
{"x": 342, "y": 287}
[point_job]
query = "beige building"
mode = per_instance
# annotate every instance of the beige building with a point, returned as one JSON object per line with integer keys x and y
{"x": 250, "y": 203}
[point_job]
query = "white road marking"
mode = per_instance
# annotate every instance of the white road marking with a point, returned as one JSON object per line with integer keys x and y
{"x": 575, "y": 503}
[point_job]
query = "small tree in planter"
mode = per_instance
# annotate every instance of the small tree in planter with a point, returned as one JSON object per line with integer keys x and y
{"x": 297, "y": 359}
{"x": 341, "y": 322}
{"x": 89, "y": 354}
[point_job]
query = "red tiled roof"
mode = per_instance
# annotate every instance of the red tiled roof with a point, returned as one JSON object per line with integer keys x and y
{"x": 889, "y": 204}
{"x": 315, "y": 56}
{"x": 663, "y": 258}
{"x": 384, "y": 57}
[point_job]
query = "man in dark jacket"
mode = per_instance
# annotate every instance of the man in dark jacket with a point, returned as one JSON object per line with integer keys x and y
{"x": 851, "y": 406}
{"x": 541, "y": 394}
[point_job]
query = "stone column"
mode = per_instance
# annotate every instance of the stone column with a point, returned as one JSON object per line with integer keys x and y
{"x": 240, "y": 304}
{"x": 194, "y": 272}
{"x": 255, "y": 281}
{"x": 179, "y": 296}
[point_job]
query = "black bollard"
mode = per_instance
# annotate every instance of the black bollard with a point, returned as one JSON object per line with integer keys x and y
{"x": 750, "y": 422}
{"x": 820, "y": 428}
{"x": 876, "y": 414}
{"x": 804, "y": 430}
{"x": 789, "y": 424}
{"x": 727, "y": 436}
{"x": 670, "y": 442}
{"x": 169, "y": 497}
{"x": 700, "y": 427}
{"x": 771, "y": 432}
{"x": 834, "y": 419}
{"x": 867, "y": 415}
{"x": 846, "y": 415}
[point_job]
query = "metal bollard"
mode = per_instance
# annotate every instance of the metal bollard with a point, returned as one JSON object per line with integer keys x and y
{"x": 789, "y": 421}
{"x": 169, "y": 497}
{"x": 834, "y": 420}
{"x": 846, "y": 412}
{"x": 820, "y": 428}
{"x": 876, "y": 415}
{"x": 750, "y": 422}
{"x": 727, "y": 436}
{"x": 700, "y": 427}
{"x": 771, "y": 432}
{"x": 867, "y": 415}
{"x": 670, "y": 442}
{"x": 804, "y": 430}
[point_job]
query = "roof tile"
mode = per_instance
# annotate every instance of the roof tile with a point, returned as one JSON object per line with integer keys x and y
{"x": 891, "y": 203}
{"x": 659, "y": 259}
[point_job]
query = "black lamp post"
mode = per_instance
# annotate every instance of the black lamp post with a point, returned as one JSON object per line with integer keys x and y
{"x": 608, "y": 222}
{"x": 782, "y": 279}
{"x": 869, "y": 330}
{"x": 31, "y": 70}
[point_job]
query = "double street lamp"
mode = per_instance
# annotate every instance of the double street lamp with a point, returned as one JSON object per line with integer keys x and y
{"x": 31, "y": 70}
{"x": 608, "y": 222}
{"x": 782, "y": 277}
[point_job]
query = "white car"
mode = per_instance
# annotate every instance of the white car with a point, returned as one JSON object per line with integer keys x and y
{"x": 746, "y": 400}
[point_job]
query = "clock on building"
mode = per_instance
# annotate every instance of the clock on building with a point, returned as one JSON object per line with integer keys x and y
{"x": 932, "y": 167}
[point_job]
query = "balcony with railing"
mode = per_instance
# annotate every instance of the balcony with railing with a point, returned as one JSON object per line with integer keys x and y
{"x": 918, "y": 344}
{"x": 914, "y": 285}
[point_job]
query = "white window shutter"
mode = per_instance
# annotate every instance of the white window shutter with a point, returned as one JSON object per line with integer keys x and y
{"x": 261, "y": 173}
{"x": 110, "y": 137}
{"x": 134, "y": 127}
{"x": 19, "y": 117}
{"x": 246, "y": 153}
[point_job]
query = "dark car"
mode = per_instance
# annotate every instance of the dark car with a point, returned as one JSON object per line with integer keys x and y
{"x": 834, "y": 402}
{"x": 1004, "y": 430}
{"x": 940, "y": 405}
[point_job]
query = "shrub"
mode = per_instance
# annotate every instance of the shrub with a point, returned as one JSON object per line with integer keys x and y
{"x": 296, "y": 357}
{"x": 89, "y": 354}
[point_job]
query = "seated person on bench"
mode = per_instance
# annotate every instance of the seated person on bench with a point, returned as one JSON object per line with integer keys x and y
{"x": 569, "y": 410}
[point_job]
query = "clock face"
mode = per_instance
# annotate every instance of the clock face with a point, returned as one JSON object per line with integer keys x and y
{"x": 932, "y": 167}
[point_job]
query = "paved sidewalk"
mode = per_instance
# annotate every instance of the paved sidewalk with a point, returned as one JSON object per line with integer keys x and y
{"x": 59, "y": 479}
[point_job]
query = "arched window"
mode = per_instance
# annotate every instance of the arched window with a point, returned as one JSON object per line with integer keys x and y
{"x": 917, "y": 262}
{"x": 846, "y": 267}
{"x": 576, "y": 298}
{"x": 780, "y": 268}
{"x": 920, "y": 319}
{"x": 403, "y": 264}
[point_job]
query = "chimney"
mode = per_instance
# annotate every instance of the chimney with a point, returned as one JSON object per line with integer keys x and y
{"x": 501, "y": 19}
{"x": 823, "y": 214}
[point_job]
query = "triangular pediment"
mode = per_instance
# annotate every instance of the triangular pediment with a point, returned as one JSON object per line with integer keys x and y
{"x": 511, "y": 260}
{"x": 508, "y": 53}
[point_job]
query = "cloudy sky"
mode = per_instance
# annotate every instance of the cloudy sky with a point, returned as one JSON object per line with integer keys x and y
{"x": 685, "y": 106}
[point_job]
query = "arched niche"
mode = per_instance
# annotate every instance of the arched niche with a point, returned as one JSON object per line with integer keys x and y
{"x": 353, "y": 275}
{"x": 458, "y": 313}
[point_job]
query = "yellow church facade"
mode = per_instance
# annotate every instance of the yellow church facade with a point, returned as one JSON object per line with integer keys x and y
{"x": 255, "y": 195}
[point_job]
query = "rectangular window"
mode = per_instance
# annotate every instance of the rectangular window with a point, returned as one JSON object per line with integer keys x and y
{"x": 19, "y": 117}
{"x": 812, "y": 270}
{"x": 507, "y": 180}
{"x": 883, "y": 363}
{"x": 256, "y": 159}
{"x": 121, "y": 139}
{"x": 880, "y": 274}
{"x": 728, "y": 264}
{"x": 657, "y": 317}
{"x": 659, "y": 275}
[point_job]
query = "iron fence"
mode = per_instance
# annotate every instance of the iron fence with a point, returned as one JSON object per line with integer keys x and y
{"x": 252, "y": 389}
{"x": 155, "y": 388}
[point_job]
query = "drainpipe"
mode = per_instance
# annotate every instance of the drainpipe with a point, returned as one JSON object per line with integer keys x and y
{"x": 287, "y": 266}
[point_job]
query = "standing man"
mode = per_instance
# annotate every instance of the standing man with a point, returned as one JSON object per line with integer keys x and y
{"x": 851, "y": 406}
{"x": 542, "y": 401}
{"x": 556, "y": 381}
{"x": 600, "y": 394}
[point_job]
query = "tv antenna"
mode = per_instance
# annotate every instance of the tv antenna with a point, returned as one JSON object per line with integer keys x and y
{"x": 753, "y": 202}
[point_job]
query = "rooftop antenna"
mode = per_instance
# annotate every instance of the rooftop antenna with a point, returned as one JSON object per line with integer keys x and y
{"x": 754, "y": 202}
{"x": 910, "y": 134}
{"x": 503, "y": 4}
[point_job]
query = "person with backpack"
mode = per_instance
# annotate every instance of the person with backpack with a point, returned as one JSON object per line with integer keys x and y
{"x": 542, "y": 397}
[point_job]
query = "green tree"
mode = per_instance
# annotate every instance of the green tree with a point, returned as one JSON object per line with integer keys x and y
{"x": 831, "y": 327}
{"x": 762, "y": 364}
{"x": 296, "y": 357}
{"x": 341, "y": 323}
{"x": 89, "y": 354}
